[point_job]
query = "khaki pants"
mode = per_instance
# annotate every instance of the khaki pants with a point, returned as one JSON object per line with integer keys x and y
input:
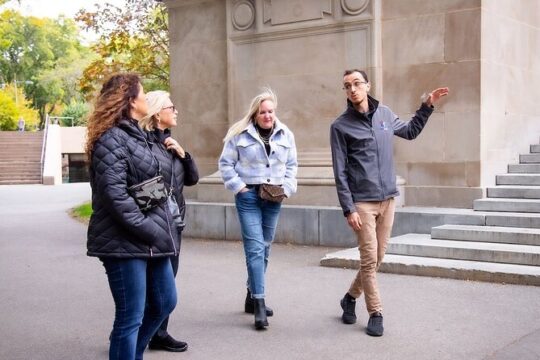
{"x": 377, "y": 220}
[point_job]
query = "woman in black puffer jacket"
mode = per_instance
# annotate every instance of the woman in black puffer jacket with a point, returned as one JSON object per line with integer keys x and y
{"x": 179, "y": 169}
{"x": 134, "y": 246}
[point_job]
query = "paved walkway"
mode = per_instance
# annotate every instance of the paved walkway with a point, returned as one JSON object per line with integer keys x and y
{"x": 55, "y": 302}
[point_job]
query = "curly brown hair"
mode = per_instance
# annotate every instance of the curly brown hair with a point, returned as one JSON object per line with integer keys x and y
{"x": 112, "y": 105}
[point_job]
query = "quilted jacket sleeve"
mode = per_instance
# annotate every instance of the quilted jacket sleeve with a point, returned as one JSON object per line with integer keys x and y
{"x": 111, "y": 166}
{"x": 191, "y": 173}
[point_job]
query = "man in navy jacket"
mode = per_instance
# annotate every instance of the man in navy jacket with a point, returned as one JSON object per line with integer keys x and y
{"x": 362, "y": 157}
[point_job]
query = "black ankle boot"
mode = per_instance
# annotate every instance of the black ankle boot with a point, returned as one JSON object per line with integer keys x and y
{"x": 249, "y": 306}
{"x": 260, "y": 314}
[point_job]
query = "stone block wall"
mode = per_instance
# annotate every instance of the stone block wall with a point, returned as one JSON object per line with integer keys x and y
{"x": 510, "y": 83}
{"x": 485, "y": 51}
{"x": 428, "y": 44}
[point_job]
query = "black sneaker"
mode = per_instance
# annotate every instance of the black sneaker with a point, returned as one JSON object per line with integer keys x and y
{"x": 348, "y": 304}
{"x": 167, "y": 343}
{"x": 375, "y": 325}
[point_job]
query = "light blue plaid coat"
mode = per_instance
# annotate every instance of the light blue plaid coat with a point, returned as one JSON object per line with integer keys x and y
{"x": 244, "y": 160}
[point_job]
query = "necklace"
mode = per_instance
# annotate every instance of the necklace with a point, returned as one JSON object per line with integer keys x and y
{"x": 265, "y": 139}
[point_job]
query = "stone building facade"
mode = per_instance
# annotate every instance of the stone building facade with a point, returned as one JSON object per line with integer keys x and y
{"x": 485, "y": 51}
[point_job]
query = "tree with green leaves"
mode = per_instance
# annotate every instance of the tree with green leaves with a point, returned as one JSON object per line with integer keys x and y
{"x": 134, "y": 37}
{"x": 8, "y": 112}
{"x": 35, "y": 52}
{"x": 77, "y": 111}
{"x": 13, "y": 105}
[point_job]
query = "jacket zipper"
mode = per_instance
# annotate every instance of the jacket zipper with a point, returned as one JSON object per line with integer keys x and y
{"x": 378, "y": 160}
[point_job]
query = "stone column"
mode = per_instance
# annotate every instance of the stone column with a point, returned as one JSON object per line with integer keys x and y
{"x": 198, "y": 72}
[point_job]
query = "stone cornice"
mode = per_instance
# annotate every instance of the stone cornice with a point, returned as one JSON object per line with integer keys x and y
{"x": 245, "y": 38}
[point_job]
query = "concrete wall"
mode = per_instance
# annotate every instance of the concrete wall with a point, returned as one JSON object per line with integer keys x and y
{"x": 318, "y": 226}
{"x": 73, "y": 139}
{"x": 52, "y": 162}
{"x": 510, "y": 119}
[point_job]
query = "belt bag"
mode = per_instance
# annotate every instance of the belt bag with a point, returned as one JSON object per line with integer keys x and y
{"x": 149, "y": 193}
{"x": 274, "y": 193}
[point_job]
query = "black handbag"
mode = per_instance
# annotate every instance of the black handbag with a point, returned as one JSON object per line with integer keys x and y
{"x": 150, "y": 193}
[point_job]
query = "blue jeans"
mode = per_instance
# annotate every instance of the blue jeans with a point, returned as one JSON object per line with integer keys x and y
{"x": 133, "y": 282}
{"x": 258, "y": 220}
{"x": 162, "y": 333}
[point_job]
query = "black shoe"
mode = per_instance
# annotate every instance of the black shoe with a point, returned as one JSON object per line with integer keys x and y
{"x": 348, "y": 304}
{"x": 260, "y": 314}
{"x": 249, "y": 306}
{"x": 375, "y": 324}
{"x": 167, "y": 343}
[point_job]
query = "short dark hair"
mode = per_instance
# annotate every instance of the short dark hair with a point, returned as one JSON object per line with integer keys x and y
{"x": 362, "y": 72}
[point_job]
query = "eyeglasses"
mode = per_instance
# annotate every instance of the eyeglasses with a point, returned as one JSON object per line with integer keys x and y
{"x": 356, "y": 84}
{"x": 170, "y": 107}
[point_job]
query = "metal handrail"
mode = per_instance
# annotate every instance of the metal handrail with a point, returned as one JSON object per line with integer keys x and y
{"x": 43, "y": 146}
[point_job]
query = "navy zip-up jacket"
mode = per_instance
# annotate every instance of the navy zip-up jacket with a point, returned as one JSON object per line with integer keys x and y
{"x": 362, "y": 151}
{"x": 118, "y": 228}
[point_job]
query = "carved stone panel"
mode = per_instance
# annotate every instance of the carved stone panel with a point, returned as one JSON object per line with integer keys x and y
{"x": 279, "y": 12}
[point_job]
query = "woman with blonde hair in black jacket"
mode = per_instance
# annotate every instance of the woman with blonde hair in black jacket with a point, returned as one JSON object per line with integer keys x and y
{"x": 179, "y": 169}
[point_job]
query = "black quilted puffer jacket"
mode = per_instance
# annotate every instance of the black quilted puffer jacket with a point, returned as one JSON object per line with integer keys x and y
{"x": 118, "y": 228}
{"x": 184, "y": 170}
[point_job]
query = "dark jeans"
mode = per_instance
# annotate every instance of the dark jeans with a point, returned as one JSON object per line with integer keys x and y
{"x": 162, "y": 331}
{"x": 144, "y": 294}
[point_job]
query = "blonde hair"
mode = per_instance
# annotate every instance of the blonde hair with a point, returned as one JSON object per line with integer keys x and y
{"x": 156, "y": 100}
{"x": 249, "y": 117}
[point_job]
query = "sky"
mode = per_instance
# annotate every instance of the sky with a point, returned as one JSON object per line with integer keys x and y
{"x": 55, "y": 8}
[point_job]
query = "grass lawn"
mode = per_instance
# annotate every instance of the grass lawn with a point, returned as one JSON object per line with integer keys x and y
{"x": 82, "y": 212}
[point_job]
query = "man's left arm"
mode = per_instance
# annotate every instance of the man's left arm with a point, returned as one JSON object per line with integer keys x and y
{"x": 410, "y": 130}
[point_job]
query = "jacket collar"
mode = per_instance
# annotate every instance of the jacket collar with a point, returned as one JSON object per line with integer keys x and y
{"x": 373, "y": 106}
{"x": 278, "y": 126}
{"x": 131, "y": 127}
{"x": 158, "y": 135}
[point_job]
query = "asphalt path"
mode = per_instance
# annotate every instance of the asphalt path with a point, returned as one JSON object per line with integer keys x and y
{"x": 55, "y": 302}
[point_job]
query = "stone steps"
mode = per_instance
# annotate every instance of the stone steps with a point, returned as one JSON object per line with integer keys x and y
{"x": 503, "y": 247}
{"x": 533, "y": 158}
{"x": 20, "y": 181}
{"x": 520, "y": 192}
{"x": 510, "y": 205}
{"x": 446, "y": 268}
{"x": 518, "y": 179}
{"x": 524, "y": 168}
{"x": 522, "y": 220}
{"x": 495, "y": 234}
{"x": 20, "y": 157}
{"x": 424, "y": 246}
